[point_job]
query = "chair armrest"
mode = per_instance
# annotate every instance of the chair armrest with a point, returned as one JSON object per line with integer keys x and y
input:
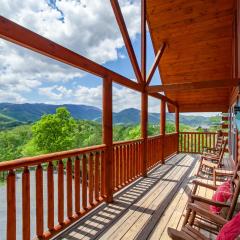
{"x": 211, "y": 157}
{"x": 204, "y": 213}
{"x": 202, "y": 184}
{"x": 208, "y": 201}
{"x": 178, "y": 235}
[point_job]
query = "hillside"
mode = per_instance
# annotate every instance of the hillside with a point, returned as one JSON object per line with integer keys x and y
{"x": 17, "y": 114}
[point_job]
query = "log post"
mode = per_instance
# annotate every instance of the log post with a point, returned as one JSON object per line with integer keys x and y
{"x": 107, "y": 137}
{"x": 163, "y": 126}
{"x": 144, "y": 135}
{"x": 177, "y": 125}
{"x": 144, "y": 94}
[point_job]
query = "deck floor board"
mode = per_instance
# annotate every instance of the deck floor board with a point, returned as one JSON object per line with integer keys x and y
{"x": 144, "y": 209}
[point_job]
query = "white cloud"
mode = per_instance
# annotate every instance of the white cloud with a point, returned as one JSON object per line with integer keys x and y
{"x": 89, "y": 28}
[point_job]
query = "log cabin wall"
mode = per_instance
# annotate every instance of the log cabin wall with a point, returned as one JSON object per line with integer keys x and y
{"x": 233, "y": 136}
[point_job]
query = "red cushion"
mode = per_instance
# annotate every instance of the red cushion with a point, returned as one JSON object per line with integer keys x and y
{"x": 222, "y": 194}
{"x": 230, "y": 230}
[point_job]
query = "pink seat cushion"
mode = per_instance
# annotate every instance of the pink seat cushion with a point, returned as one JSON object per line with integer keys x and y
{"x": 230, "y": 230}
{"x": 222, "y": 194}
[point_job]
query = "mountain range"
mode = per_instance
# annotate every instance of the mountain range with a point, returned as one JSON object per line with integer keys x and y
{"x": 16, "y": 114}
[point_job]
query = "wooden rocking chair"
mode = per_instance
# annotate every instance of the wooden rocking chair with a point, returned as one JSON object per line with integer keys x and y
{"x": 188, "y": 232}
{"x": 211, "y": 162}
{"x": 191, "y": 218}
{"x": 215, "y": 150}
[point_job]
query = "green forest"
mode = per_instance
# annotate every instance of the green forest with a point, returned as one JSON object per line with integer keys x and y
{"x": 60, "y": 131}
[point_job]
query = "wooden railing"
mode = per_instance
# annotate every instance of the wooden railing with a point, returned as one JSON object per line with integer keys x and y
{"x": 170, "y": 144}
{"x": 194, "y": 142}
{"x": 69, "y": 184}
{"x": 80, "y": 175}
{"x": 127, "y": 164}
{"x": 154, "y": 152}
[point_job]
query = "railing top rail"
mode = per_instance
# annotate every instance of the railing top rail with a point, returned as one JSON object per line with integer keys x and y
{"x": 155, "y": 136}
{"x": 128, "y": 141}
{"x": 31, "y": 161}
{"x": 170, "y": 134}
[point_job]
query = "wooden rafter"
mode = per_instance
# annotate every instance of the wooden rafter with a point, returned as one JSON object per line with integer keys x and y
{"x": 143, "y": 40}
{"x": 194, "y": 85}
{"x": 155, "y": 63}
{"x": 126, "y": 38}
{"x": 22, "y": 36}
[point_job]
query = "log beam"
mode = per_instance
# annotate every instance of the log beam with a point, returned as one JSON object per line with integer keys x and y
{"x": 126, "y": 39}
{"x": 176, "y": 87}
{"x": 17, "y": 34}
{"x": 156, "y": 62}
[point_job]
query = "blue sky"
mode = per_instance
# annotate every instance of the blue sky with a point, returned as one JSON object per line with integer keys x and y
{"x": 87, "y": 27}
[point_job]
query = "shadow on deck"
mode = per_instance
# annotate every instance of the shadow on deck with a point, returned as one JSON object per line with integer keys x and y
{"x": 137, "y": 209}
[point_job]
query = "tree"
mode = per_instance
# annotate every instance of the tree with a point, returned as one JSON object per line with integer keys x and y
{"x": 54, "y": 132}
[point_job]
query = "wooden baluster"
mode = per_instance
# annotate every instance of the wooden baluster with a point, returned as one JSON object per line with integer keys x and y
{"x": 60, "y": 192}
{"x": 84, "y": 182}
{"x": 127, "y": 164}
{"x": 124, "y": 163}
{"x": 97, "y": 177}
{"x": 199, "y": 143}
{"x": 202, "y": 141}
{"x": 195, "y": 143}
{"x": 77, "y": 185}
{"x": 69, "y": 188}
{"x": 214, "y": 140}
{"x": 50, "y": 191}
{"x": 135, "y": 159}
{"x": 138, "y": 161}
{"x": 210, "y": 140}
{"x": 39, "y": 201}
{"x": 185, "y": 142}
{"x": 189, "y": 143}
{"x": 104, "y": 173}
{"x": 90, "y": 179}
{"x": 117, "y": 167}
{"x": 11, "y": 205}
{"x": 131, "y": 161}
{"x": 114, "y": 169}
{"x": 26, "y": 204}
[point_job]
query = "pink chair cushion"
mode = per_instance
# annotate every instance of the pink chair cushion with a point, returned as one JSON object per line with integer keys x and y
{"x": 230, "y": 230}
{"x": 222, "y": 194}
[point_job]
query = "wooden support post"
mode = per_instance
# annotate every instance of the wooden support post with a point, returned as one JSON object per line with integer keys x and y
{"x": 177, "y": 124}
{"x": 163, "y": 126}
{"x": 144, "y": 135}
{"x": 144, "y": 96}
{"x": 107, "y": 136}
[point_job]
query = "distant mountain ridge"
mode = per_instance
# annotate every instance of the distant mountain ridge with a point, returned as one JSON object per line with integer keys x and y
{"x": 15, "y": 114}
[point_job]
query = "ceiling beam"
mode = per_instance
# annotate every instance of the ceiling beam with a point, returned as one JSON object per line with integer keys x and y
{"x": 176, "y": 87}
{"x": 155, "y": 63}
{"x": 126, "y": 39}
{"x": 22, "y": 36}
{"x": 162, "y": 97}
{"x": 203, "y": 107}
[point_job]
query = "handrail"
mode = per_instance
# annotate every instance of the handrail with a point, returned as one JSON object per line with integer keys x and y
{"x": 30, "y": 161}
{"x": 127, "y": 141}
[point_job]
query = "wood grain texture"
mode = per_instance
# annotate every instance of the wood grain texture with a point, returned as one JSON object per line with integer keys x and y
{"x": 199, "y": 35}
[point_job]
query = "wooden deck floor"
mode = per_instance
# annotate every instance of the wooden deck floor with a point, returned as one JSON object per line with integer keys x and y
{"x": 146, "y": 208}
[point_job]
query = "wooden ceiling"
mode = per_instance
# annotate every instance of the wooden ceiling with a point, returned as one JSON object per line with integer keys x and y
{"x": 199, "y": 36}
